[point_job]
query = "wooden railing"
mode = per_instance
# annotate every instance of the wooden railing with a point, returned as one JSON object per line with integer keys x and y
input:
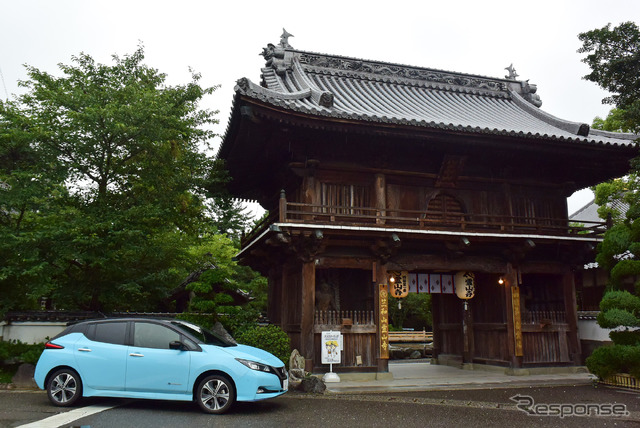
{"x": 544, "y": 317}
{"x": 309, "y": 213}
{"x": 410, "y": 336}
{"x": 344, "y": 317}
{"x": 295, "y": 212}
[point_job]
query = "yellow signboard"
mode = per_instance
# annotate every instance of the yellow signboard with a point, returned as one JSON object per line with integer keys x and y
{"x": 384, "y": 321}
{"x": 517, "y": 320}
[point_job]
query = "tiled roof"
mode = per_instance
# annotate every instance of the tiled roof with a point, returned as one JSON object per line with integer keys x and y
{"x": 346, "y": 88}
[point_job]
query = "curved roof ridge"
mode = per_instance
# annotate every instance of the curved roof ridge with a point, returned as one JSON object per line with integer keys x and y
{"x": 323, "y": 98}
{"x": 246, "y": 85}
{"x": 305, "y": 54}
{"x": 576, "y": 128}
{"x": 610, "y": 134}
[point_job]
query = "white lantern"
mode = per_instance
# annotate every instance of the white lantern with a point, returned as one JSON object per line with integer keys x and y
{"x": 465, "y": 283}
{"x": 399, "y": 284}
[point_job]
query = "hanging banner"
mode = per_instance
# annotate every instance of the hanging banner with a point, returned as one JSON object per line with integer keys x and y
{"x": 447, "y": 283}
{"x": 399, "y": 284}
{"x": 423, "y": 283}
{"x": 435, "y": 283}
{"x": 413, "y": 283}
{"x": 331, "y": 347}
{"x": 465, "y": 283}
{"x": 383, "y": 310}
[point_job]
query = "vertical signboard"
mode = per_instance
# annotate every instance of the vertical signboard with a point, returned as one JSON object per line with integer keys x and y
{"x": 331, "y": 347}
{"x": 383, "y": 322}
{"x": 517, "y": 320}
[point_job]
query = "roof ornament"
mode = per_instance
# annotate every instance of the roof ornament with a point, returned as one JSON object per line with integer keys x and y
{"x": 284, "y": 39}
{"x": 512, "y": 72}
{"x": 275, "y": 56}
{"x": 529, "y": 93}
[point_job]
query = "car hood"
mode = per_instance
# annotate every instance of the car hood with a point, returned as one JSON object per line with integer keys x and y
{"x": 250, "y": 353}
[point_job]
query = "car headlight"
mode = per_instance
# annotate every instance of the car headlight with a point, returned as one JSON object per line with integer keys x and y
{"x": 255, "y": 366}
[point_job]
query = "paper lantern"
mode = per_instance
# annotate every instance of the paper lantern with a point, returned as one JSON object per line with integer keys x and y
{"x": 465, "y": 283}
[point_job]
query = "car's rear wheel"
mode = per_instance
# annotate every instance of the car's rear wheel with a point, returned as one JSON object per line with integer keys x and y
{"x": 64, "y": 387}
{"x": 215, "y": 394}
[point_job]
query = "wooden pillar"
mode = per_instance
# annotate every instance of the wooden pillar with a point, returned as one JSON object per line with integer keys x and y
{"x": 467, "y": 330}
{"x": 308, "y": 309}
{"x": 282, "y": 207}
{"x": 570, "y": 304}
{"x": 381, "y": 198}
{"x": 284, "y": 299}
{"x": 513, "y": 321}
{"x": 437, "y": 334}
{"x": 379, "y": 276}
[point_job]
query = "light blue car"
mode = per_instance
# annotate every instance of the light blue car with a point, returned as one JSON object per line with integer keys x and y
{"x": 156, "y": 359}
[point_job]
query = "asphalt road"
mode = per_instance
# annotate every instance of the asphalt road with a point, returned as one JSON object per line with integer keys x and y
{"x": 460, "y": 408}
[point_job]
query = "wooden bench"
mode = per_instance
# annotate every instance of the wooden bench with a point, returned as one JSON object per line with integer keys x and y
{"x": 410, "y": 336}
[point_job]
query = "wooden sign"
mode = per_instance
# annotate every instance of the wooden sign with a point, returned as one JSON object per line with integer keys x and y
{"x": 384, "y": 321}
{"x": 517, "y": 320}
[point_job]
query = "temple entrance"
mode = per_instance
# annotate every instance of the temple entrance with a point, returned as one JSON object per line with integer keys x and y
{"x": 344, "y": 301}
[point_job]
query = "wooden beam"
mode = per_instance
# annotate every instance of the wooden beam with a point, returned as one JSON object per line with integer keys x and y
{"x": 413, "y": 262}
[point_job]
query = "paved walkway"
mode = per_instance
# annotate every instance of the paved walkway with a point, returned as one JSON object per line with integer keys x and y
{"x": 412, "y": 376}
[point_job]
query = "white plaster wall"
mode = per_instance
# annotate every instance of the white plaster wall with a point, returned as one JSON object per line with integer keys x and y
{"x": 590, "y": 330}
{"x": 30, "y": 331}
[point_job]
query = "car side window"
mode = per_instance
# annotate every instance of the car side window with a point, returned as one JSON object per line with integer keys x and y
{"x": 150, "y": 335}
{"x": 110, "y": 332}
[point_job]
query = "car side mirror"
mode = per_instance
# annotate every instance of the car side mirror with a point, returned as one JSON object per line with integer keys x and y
{"x": 178, "y": 345}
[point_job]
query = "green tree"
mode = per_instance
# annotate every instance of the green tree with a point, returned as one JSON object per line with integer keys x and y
{"x": 221, "y": 290}
{"x": 229, "y": 216}
{"x": 614, "y": 122}
{"x": 613, "y": 54}
{"x": 108, "y": 177}
{"x": 413, "y": 311}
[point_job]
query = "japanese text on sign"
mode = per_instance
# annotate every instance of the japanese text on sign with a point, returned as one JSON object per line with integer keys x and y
{"x": 384, "y": 321}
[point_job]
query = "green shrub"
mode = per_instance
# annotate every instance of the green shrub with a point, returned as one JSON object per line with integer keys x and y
{"x": 239, "y": 319}
{"x": 17, "y": 352}
{"x": 271, "y": 338}
{"x": 626, "y": 337}
{"x": 608, "y": 360}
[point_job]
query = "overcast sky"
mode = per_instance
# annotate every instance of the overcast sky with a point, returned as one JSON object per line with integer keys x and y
{"x": 223, "y": 42}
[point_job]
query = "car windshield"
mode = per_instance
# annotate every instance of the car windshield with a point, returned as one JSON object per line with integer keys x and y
{"x": 202, "y": 334}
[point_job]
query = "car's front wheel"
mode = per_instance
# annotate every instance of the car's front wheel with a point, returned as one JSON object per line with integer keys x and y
{"x": 64, "y": 387}
{"x": 215, "y": 394}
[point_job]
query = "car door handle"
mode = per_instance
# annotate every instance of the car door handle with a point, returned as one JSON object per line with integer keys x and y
{"x": 84, "y": 350}
{"x": 134, "y": 354}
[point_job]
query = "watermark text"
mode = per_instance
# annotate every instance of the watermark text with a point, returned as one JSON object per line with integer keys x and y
{"x": 527, "y": 404}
